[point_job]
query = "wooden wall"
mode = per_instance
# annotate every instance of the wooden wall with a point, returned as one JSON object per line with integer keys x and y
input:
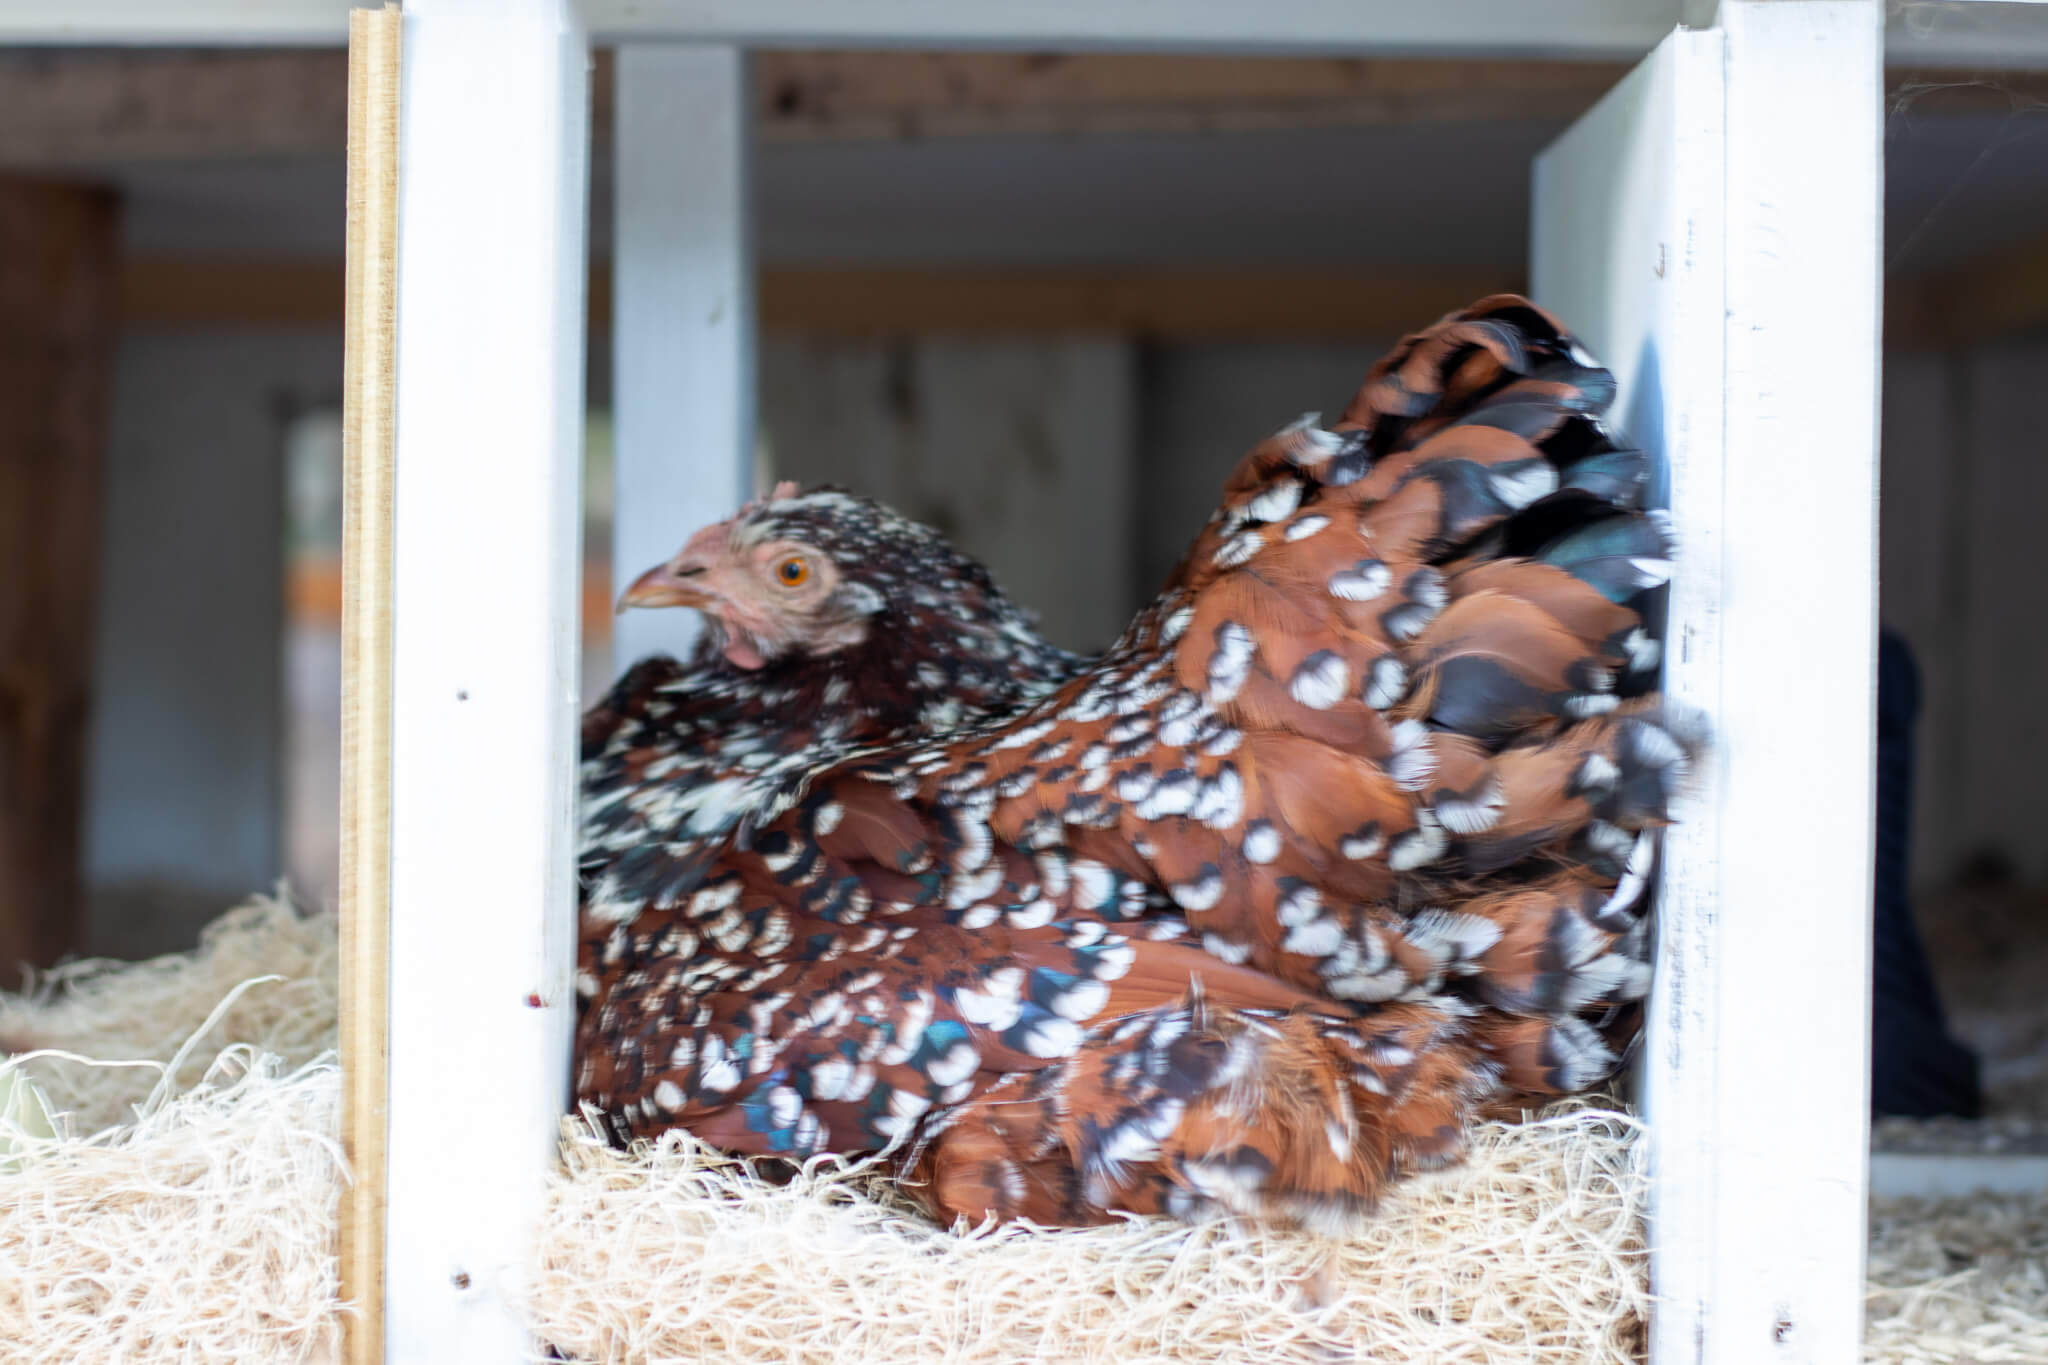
{"x": 185, "y": 783}
{"x": 1965, "y": 579}
{"x": 1019, "y": 449}
{"x": 57, "y": 320}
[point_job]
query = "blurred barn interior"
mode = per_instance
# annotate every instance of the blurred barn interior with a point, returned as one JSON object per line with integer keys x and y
{"x": 1041, "y": 302}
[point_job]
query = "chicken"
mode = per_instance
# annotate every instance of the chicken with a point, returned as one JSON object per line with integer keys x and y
{"x": 1349, "y": 830}
{"x": 676, "y": 759}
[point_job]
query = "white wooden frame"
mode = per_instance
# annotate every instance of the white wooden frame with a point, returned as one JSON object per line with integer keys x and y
{"x": 491, "y": 233}
{"x": 1986, "y": 34}
{"x": 682, "y": 315}
{"x": 493, "y": 115}
{"x": 1799, "y": 506}
{"x": 1693, "y": 227}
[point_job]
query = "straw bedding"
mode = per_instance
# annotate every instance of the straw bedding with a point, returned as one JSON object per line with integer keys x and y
{"x": 182, "y": 1207}
{"x": 1958, "y": 1280}
{"x": 1531, "y": 1253}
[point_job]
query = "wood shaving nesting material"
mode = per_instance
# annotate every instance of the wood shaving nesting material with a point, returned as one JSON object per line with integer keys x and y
{"x": 185, "y": 1209}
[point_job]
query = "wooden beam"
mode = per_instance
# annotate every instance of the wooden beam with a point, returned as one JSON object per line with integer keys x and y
{"x": 1182, "y": 304}
{"x": 2003, "y": 293}
{"x": 683, "y": 352}
{"x": 1783, "y": 1224}
{"x": 1177, "y": 304}
{"x": 89, "y": 108}
{"x": 57, "y": 325}
{"x": 2005, "y": 36}
{"x": 121, "y": 107}
{"x": 854, "y": 95}
{"x": 491, "y": 243}
{"x": 1612, "y": 28}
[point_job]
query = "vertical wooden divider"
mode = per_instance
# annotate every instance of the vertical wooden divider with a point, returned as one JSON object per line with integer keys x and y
{"x": 369, "y": 393}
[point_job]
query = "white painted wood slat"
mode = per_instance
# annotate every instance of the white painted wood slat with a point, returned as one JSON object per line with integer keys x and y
{"x": 1611, "y": 28}
{"x": 1628, "y": 246}
{"x": 1981, "y": 34}
{"x": 1956, "y": 1175}
{"x": 1712, "y": 229}
{"x": 489, "y": 427}
{"x": 1799, "y": 677}
{"x": 683, "y": 317}
{"x": 1500, "y": 27}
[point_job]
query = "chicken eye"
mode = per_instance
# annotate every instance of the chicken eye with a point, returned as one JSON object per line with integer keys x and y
{"x": 793, "y": 572}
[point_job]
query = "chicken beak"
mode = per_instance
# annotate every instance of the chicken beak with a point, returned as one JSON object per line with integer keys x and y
{"x": 665, "y": 585}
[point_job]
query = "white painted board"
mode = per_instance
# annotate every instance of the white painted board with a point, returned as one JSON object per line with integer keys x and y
{"x": 683, "y": 399}
{"x": 1627, "y": 246}
{"x": 1499, "y": 27}
{"x": 1711, "y": 229}
{"x": 489, "y": 429}
{"x": 1558, "y": 27}
{"x": 1805, "y": 179}
{"x": 1956, "y": 1175}
{"x": 1984, "y": 34}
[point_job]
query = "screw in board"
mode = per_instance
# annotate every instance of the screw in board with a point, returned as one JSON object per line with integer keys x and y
{"x": 460, "y": 1279}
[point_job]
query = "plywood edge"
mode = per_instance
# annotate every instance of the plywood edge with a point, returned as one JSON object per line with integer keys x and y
{"x": 369, "y": 384}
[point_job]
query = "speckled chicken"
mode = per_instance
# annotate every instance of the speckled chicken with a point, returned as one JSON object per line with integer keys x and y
{"x": 1350, "y": 830}
{"x": 834, "y": 624}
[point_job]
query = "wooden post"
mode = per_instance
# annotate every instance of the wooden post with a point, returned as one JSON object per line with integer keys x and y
{"x": 369, "y": 397}
{"x": 1805, "y": 176}
{"x": 682, "y": 316}
{"x": 1640, "y": 172}
{"x": 58, "y": 277}
{"x": 494, "y": 131}
{"x": 1690, "y": 227}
